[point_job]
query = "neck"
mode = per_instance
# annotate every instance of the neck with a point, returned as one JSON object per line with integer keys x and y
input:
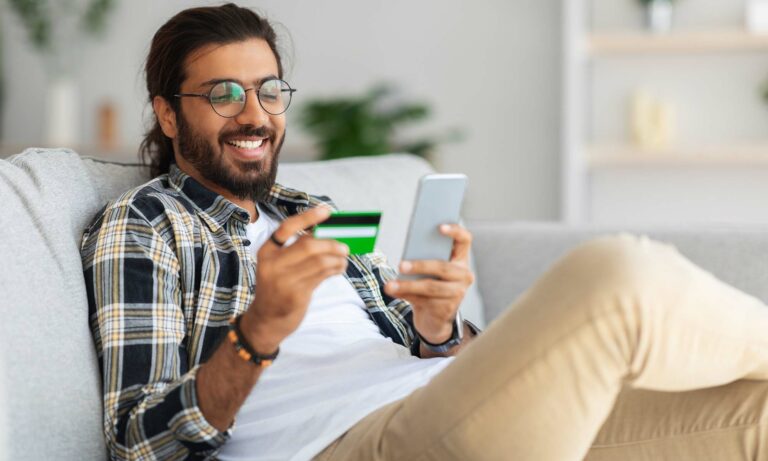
{"x": 246, "y": 204}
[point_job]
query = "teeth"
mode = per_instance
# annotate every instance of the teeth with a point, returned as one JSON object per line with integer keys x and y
{"x": 247, "y": 144}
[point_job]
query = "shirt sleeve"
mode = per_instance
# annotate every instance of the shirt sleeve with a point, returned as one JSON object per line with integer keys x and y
{"x": 139, "y": 328}
{"x": 401, "y": 308}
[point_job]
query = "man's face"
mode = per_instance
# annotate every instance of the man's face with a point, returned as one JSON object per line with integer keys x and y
{"x": 238, "y": 155}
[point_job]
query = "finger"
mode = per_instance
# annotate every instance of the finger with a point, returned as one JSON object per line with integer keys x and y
{"x": 430, "y": 288}
{"x": 419, "y": 302}
{"x": 315, "y": 265}
{"x": 296, "y": 278}
{"x": 432, "y": 308}
{"x": 296, "y": 223}
{"x": 307, "y": 246}
{"x": 310, "y": 278}
{"x": 331, "y": 270}
{"x": 462, "y": 241}
{"x": 443, "y": 270}
{"x": 422, "y": 306}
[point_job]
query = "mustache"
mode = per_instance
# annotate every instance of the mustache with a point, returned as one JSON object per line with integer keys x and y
{"x": 260, "y": 132}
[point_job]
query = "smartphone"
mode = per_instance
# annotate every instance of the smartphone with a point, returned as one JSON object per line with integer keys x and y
{"x": 438, "y": 201}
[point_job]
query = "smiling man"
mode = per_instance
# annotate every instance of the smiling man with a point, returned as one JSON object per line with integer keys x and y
{"x": 184, "y": 319}
{"x": 209, "y": 303}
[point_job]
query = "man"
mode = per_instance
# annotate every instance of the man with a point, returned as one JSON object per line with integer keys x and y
{"x": 209, "y": 302}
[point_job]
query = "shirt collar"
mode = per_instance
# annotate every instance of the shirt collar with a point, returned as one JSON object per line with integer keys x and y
{"x": 217, "y": 210}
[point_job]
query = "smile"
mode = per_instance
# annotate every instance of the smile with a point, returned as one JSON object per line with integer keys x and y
{"x": 246, "y": 144}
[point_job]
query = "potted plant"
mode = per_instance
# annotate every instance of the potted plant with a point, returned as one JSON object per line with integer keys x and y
{"x": 361, "y": 125}
{"x": 658, "y": 15}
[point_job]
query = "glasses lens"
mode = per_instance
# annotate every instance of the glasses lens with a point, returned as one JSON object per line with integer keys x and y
{"x": 275, "y": 96}
{"x": 228, "y": 99}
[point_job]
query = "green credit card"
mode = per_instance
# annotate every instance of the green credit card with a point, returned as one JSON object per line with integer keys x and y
{"x": 356, "y": 229}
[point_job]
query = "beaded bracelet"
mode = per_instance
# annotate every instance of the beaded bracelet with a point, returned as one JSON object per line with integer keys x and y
{"x": 244, "y": 350}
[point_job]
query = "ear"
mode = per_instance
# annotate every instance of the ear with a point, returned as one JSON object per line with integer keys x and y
{"x": 165, "y": 116}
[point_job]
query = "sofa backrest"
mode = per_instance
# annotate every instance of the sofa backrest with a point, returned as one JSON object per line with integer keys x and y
{"x": 736, "y": 255}
{"x": 50, "y": 376}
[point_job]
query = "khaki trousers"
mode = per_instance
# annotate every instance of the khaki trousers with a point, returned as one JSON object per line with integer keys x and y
{"x": 624, "y": 350}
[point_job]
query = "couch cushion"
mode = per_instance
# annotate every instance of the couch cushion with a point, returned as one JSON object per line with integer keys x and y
{"x": 50, "y": 375}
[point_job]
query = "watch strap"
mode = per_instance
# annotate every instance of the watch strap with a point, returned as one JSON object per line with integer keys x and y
{"x": 455, "y": 339}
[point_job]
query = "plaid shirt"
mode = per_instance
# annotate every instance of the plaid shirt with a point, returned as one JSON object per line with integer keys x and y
{"x": 166, "y": 265}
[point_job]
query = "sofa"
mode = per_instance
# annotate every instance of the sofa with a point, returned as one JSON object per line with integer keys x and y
{"x": 50, "y": 399}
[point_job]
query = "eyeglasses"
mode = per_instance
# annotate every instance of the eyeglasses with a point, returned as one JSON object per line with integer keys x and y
{"x": 228, "y": 98}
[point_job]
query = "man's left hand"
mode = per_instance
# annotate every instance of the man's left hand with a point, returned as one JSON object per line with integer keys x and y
{"x": 436, "y": 300}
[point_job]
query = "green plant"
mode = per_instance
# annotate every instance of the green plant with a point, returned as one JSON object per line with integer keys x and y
{"x": 40, "y": 16}
{"x": 364, "y": 125}
{"x": 765, "y": 91}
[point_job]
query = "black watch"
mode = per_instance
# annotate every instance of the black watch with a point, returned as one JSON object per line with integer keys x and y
{"x": 456, "y": 336}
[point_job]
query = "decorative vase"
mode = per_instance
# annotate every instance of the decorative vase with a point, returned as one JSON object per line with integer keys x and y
{"x": 652, "y": 121}
{"x": 658, "y": 16}
{"x": 62, "y": 114}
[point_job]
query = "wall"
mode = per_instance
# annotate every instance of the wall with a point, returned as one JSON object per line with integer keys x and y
{"x": 716, "y": 96}
{"x": 489, "y": 68}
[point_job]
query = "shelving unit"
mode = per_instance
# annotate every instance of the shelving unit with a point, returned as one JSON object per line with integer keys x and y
{"x": 598, "y": 168}
{"x": 705, "y": 156}
{"x": 632, "y": 43}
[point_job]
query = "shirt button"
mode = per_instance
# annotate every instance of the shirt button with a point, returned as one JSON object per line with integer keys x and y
{"x": 246, "y": 242}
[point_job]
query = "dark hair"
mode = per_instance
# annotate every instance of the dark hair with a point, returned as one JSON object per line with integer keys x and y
{"x": 183, "y": 34}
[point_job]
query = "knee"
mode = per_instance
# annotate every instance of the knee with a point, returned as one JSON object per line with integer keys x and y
{"x": 621, "y": 264}
{"x": 623, "y": 251}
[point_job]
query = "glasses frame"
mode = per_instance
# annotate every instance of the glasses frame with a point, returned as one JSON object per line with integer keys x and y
{"x": 245, "y": 91}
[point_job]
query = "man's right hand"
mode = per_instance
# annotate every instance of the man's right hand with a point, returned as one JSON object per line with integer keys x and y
{"x": 286, "y": 277}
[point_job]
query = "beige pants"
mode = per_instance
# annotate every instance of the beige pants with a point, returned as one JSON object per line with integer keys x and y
{"x": 624, "y": 350}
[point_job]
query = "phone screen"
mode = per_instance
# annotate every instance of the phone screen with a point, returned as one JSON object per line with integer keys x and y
{"x": 438, "y": 201}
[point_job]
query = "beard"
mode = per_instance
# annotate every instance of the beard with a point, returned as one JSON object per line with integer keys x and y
{"x": 247, "y": 180}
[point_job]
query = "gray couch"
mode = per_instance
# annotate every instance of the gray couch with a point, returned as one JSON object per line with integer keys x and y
{"x": 49, "y": 381}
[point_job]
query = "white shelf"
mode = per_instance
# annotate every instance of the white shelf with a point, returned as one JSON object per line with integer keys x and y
{"x": 639, "y": 43}
{"x": 755, "y": 155}
{"x": 607, "y": 179}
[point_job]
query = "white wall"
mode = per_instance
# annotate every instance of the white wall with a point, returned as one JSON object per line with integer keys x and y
{"x": 436, "y": 50}
{"x": 716, "y": 96}
{"x": 718, "y": 106}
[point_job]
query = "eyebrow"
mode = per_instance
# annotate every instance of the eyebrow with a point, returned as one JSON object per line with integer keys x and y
{"x": 258, "y": 82}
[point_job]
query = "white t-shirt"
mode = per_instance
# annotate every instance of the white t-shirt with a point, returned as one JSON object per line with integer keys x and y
{"x": 335, "y": 369}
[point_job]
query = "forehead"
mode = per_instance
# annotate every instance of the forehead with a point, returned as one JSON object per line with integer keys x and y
{"x": 249, "y": 60}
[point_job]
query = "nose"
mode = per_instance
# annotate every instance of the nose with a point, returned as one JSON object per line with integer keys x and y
{"x": 253, "y": 113}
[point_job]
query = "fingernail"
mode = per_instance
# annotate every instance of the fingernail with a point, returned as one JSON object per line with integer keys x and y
{"x": 343, "y": 248}
{"x": 393, "y": 286}
{"x": 445, "y": 227}
{"x": 405, "y": 266}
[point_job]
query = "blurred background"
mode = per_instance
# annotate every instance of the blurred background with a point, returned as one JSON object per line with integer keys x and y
{"x": 618, "y": 112}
